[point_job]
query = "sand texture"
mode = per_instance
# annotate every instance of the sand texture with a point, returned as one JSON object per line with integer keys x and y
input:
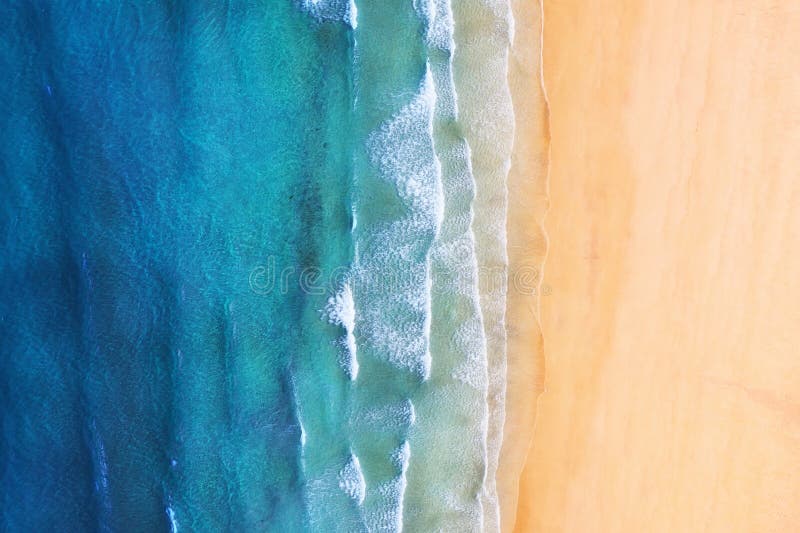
{"x": 672, "y": 333}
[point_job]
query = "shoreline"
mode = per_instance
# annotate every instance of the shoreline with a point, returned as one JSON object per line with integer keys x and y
{"x": 486, "y": 117}
{"x": 527, "y": 249}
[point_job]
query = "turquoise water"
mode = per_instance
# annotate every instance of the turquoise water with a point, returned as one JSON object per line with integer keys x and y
{"x": 239, "y": 283}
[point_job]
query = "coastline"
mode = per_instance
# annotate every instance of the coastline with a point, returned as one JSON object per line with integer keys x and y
{"x": 486, "y": 117}
{"x": 527, "y": 250}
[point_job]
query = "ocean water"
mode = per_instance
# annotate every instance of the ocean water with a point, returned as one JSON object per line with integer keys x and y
{"x": 244, "y": 264}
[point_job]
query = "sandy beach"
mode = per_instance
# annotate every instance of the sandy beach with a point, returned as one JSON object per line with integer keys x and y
{"x": 527, "y": 247}
{"x": 672, "y": 381}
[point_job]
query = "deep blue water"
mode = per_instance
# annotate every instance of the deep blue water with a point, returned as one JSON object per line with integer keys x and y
{"x": 153, "y": 154}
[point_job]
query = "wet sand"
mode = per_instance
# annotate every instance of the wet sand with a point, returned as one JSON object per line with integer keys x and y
{"x": 527, "y": 246}
{"x": 672, "y": 396}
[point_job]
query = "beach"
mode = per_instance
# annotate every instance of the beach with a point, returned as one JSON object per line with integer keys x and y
{"x": 670, "y": 342}
{"x": 527, "y": 248}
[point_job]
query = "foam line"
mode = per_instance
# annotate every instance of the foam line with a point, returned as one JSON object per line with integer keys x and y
{"x": 341, "y": 310}
{"x": 351, "y": 480}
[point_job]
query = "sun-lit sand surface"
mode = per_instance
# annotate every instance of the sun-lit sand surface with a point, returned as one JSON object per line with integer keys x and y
{"x": 671, "y": 336}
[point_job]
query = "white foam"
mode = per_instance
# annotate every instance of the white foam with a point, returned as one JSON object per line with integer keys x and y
{"x": 397, "y": 325}
{"x": 389, "y": 515}
{"x": 400, "y": 415}
{"x": 341, "y": 310}
{"x": 299, "y": 414}
{"x": 332, "y": 10}
{"x": 432, "y": 254}
{"x": 401, "y": 459}
{"x": 412, "y": 413}
{"x": 173, "y": 521}
{"x": 352, "y": 14}
{"x": 472, "y": 370}
{"x": 402, "y": 149}
{"x": 351, "y": 480}
{"x": 427, "y": 358}
{"x": 456, "y": 267}
{"x": 441, "y": 26}
{"x": 487, "y": 114}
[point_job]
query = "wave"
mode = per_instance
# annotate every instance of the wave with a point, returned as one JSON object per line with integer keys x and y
{"x": 332, "y": 10}
{"x": 401, "y": 458}
{"x": 440, "y": 25}
{"x": 402, "y": 150}
{"x": 173, "y": 521}
{"x": 427, "y": 215}
{"x": 400, "y": 415}
{"x": 388, "y": 517}
{"x": 392, "y": 267}
{"x": 352, "y": 14}
{"x": 341, "y": 310}
{"x": 351, "y": 480}
{"x": 487, "y": 116}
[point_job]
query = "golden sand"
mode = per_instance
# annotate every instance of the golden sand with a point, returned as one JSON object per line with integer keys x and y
{"x": 671, "y": 336}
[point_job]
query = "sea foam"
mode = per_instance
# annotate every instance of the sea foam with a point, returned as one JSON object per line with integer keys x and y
{"x": 438, "y": 15}
{"x": 332, "y": 10}
{"x": 389, "y": 515}
{"x": 352, "y": 14}
{"x": 400, "y": 415}
{"x": 402, "y": 149}
{"x": 173, "y": 521}
{"x": 351, "y": 480}
{"x": 487, "y": 115}
{"x": 413, "y": 287}
{"x": 453, "y": 489}
{"x": 393, "y": 266}
{"x": 341, "y": 310}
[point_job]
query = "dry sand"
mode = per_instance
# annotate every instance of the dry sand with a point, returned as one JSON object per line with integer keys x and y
{"x": 671, "y": 335}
